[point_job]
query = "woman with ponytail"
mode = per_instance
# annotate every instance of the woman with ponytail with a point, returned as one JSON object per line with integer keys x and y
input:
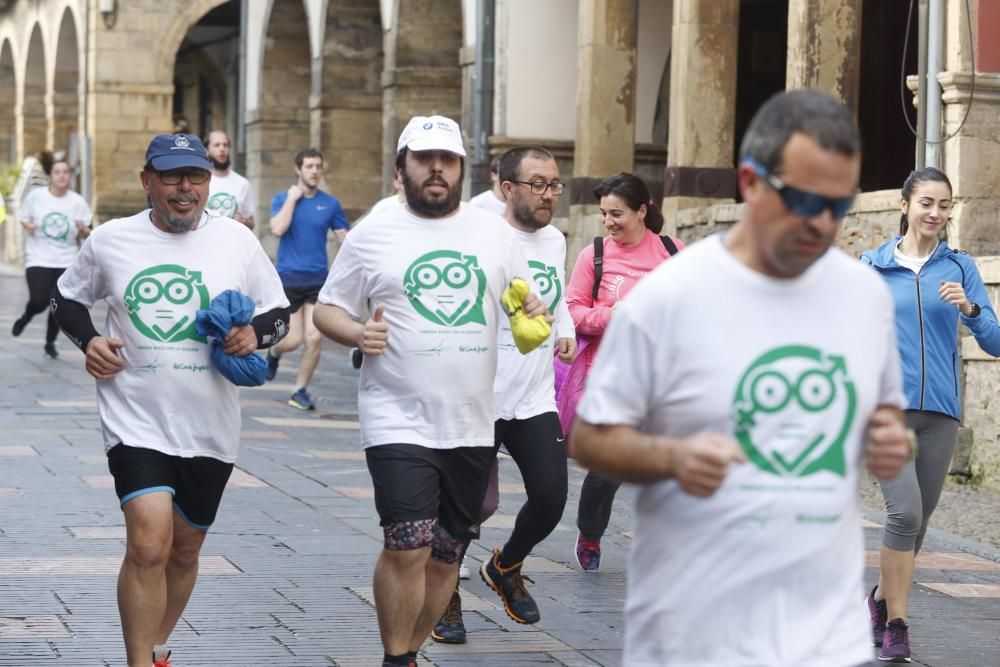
{"x": 934, "y": 287}
{"x": 631, "y": 249}
{"x": 55, "y": 221}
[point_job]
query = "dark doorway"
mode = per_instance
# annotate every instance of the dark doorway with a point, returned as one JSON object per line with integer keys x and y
{"x": 888, "y": 146}
{"x": 763, "y": 50}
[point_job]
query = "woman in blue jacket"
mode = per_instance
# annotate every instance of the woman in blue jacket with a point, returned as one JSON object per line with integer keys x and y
{"x": 933, "y": 287}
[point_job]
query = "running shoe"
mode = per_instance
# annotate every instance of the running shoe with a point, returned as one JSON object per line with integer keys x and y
{"x": 301, "y": 400}
{"x": 272, "y": 364}
{"x": 463, "y": 570}
{"x": 450, "y": 629}
{"x": 50, "y": 349}
{"x": 588, "y": 554}
{"x": 879, "y": 615}
{"x": 161, "y": 658}
{"x": 357, "y": 356}
{"x": 18, "y": 327}
{"x": 508, "y": 583}
{"x": 895, "y": 642}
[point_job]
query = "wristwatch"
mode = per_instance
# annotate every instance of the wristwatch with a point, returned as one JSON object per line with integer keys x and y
{"x": 975, "y": 310}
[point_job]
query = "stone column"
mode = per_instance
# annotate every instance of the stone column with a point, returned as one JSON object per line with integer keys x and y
{"x": 64, "y": 119}
{"x": 422, "y": 75}
{"x": 824, "y": 47}
{"x": 702, "y": 106}
{"x": 605, "y": 110}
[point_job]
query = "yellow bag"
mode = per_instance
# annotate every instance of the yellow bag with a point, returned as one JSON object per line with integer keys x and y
{"x": 528, "y": 332}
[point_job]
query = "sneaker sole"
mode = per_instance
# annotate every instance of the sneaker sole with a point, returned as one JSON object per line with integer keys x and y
{"x": 441, "y": 640}
{"x": 895, "y": 660}
{"x": 304, "y": 408}
{"x": 496, "y": 589}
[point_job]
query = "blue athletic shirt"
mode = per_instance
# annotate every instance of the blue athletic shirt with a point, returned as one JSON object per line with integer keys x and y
{"x": 302, "y": 258}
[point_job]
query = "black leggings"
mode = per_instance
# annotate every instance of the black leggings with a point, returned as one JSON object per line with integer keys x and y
{"x": 594, "y": 512}
{"x": 41, "y": 282}
{"x": 536, "y": 444}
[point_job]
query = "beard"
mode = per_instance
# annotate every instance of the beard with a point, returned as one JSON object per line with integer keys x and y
{"x": 425, "y": 205}
{"x": 221, "y": 166}
{"x": 175, "y": 222}
{"x": 527, "y": 215}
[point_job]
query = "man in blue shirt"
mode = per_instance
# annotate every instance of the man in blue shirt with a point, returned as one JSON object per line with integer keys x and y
{"x": 301, "y": 218}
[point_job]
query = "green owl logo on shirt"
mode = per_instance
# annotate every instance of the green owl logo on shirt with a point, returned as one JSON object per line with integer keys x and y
{"x": 793, "y": 410}
{"x": 56, "y": 226}
{"x": 549, "y": 286}
{"x": 447, "y": 288}
{"x": 162, "y": 302}
{"x": 222, "y": 203}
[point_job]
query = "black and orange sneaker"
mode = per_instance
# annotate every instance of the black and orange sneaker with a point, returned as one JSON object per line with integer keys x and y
{"x": 451, "y": 628}
{"x": 508, "y": 583}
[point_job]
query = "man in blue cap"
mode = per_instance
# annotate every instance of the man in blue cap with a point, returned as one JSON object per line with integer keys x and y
{"x": 155, "y": 270}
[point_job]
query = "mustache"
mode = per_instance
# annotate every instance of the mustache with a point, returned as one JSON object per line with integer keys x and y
{"x": 184, "y": 199}
{"x": 435, "y": 180}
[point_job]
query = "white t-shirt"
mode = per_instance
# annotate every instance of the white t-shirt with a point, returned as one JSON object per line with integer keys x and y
{"x": 169, "y": 397}
{"x": 53, "y": 244}
{"x": 439, "y": 282}
{"x": 768, "y": 570}
{"x": 912, "y": 263}
{"x": 229, "y": 195}
{"x": 488, "y": 201}
{"x": 525, "y": 383}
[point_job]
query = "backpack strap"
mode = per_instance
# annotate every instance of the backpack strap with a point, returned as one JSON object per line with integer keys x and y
{"x": 598, "y": 264}
{"x": 669, "y": 244}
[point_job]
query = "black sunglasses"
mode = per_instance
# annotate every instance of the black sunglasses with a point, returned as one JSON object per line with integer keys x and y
{"x": 802, "y": 203}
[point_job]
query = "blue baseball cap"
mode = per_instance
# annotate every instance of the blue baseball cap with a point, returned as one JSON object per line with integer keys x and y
{"x": 175, "y": 151}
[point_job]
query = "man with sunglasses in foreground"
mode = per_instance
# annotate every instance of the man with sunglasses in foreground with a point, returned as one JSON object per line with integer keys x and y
{"x": 741, "y": 383}
{"x": 171, "y": 422}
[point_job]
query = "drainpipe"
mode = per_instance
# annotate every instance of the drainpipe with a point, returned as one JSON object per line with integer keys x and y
{"x": 483, "y": 99}
{"x": 83, "y": 136}
{"x": 921, "y": 84}
{"x": 935, "y": 34}
{"x": 242, "y": 100}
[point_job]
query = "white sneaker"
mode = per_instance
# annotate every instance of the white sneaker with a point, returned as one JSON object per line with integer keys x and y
{"x": 463, "y": 570}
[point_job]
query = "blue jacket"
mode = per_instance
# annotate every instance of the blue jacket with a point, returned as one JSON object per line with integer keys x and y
{"x": 927, "y": 327}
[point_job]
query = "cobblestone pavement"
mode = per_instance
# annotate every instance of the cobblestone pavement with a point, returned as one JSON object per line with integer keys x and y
{"x": 286, "y": 572}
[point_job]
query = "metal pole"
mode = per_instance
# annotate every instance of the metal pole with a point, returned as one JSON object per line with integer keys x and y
{"x": 83, "y": 141}
{"x": 921, "y": 83}
{"x": 483, "y": 99}
{"x": 935, "y": 34}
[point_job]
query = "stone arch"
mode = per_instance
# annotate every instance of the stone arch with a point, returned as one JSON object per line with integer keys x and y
{"x": 347, "y": 108}
{"x": 31, "y": 116}
{"x": 65, "y": 106}
{"x": 188, "y": 14}
{"x": 8, "y": 101}
{"x": 279, "y": 127}
{"x": 422, "y": 70}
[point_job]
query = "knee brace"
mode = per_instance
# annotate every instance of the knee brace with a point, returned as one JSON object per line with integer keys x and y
{"x": 409, "y": 535}
{"x": 446, "y": 548}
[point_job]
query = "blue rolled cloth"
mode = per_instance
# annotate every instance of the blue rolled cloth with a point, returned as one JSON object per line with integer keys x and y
{"x": 227, "y": 310}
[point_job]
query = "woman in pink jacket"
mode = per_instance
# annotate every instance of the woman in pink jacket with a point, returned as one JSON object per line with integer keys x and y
{"x": 631, "y": 249}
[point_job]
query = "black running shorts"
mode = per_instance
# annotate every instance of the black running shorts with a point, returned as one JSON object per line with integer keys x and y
{"x": 299, "y": 295}
{"x": 414, "y": 483}
{"x": 195, "y": 483}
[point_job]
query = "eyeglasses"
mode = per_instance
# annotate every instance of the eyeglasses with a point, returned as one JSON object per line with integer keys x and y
{"x": 194, "y": 177}
{"x": 539, "y": 187}
{"x": 802, "y": 203}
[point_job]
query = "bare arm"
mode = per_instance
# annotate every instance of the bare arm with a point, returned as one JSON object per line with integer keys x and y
{"x": 282, "y": 220}
{"x": 334, "y": 322}
{"x": 699, "y": 462}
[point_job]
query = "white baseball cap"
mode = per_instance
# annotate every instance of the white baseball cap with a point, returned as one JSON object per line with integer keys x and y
{"x": 432, "y": 133}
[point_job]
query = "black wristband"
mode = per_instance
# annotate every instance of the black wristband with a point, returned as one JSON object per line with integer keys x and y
{"x": 271, "y": 326}
{"x": 74, "y": 319}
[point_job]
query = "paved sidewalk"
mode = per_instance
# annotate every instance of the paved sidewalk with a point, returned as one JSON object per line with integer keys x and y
{"x": 286, "y": 573}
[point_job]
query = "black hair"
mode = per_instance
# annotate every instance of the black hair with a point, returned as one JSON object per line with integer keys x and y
{"x": 401, "y": 160}
{"x": 48, "y": 160}
{"x": 916, "y": 177}
{"x": 509, "y": 166}
{"x": 301, "y": 156}
{"x": 495, "y": 164}
{"x": 811, "y": 112}
{"x": 633, "y": 190}
{"x": 208, "y": 135}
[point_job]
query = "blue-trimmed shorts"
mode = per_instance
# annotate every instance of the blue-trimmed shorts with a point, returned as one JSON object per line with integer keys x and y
{"x": 195, "y": 483}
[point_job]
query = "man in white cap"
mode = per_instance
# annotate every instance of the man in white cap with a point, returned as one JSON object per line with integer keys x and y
{"x": 432, "y": 272}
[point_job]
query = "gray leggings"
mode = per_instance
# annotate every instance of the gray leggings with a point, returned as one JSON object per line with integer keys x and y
{"x": 911, "y": 498}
